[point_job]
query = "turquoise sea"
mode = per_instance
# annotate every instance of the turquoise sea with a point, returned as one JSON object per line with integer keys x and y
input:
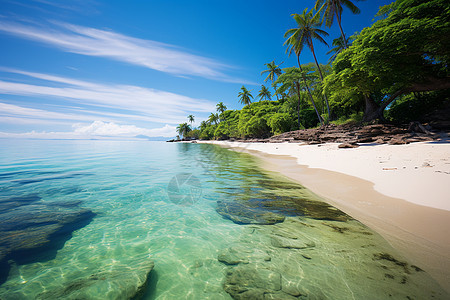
{"x": 102, "y": 219}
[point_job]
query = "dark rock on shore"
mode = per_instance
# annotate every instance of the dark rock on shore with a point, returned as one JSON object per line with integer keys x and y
{"x": 33, "y": 230}
{"x": 352, "y": 134}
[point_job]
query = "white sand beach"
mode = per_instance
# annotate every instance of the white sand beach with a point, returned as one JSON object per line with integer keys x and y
{"x": 400, "y": 191}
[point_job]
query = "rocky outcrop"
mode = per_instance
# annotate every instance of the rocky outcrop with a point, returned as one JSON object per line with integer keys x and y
{"x": 253, "y": 274}
{"x": 116, "y": 282}
{"x": 349, "y": 135}
{"x": 31, "y": 229}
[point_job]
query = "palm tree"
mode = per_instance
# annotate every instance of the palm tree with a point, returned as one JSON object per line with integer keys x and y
{"x": 191, "y": 119}
{"x": 244, "y": 96}
{"x": 264, "y": 93}
{"x": 273, "y": 70}
{"x": 220, "y": 107}
{"x": 213, "y": 118}
{"x": 203, "y": 125}
{"x": 183, "y": 129}
{"x": 339, "y": 45}
{"x": 333, "y": 8}
{"x": 307, "y": 29}
{"x": 289, "y": 81}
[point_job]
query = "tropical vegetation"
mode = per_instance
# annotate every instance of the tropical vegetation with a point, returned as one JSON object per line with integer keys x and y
{"x": 396, "y": 70}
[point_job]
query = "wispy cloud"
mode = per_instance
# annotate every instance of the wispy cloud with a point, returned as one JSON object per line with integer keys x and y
{"x": 98, "y": 130}
{"x": 137, "y": 103}
{"x": 96, "y": 42}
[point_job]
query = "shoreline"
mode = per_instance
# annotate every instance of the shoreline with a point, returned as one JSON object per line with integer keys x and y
{"x": 417, "y": 230}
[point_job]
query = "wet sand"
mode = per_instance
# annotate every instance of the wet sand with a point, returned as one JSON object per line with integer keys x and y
{"x": 420, "y": 233}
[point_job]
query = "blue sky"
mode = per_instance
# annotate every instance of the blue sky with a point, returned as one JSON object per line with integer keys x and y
{"x": 83, "y": 69}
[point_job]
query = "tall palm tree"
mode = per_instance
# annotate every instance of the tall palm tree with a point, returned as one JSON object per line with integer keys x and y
{"x": 307, "y": 29}
{"x": 264, "y": 93}
{"x": 289, "y": 81}
{"x": 245, "y": 96}
{"x": 220, "y": 107}
{"x": 339, "y": 45}
{"x": 273, "y": 71}
{"x": 333, "y": 8}
{"x": 191, "y": 119}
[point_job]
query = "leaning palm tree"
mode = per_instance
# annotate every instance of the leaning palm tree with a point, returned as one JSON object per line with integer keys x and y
{"x": 308, "y": 29}
{"x": 333, "y": 8}
{"x": 273, "y": 71}
{"x": 183, "y": 129}
{"x": 191, "y": 119}
{"x": 264, "y": 93}
{"x": 245, "y": 96}
{"x": 339, "y": 45}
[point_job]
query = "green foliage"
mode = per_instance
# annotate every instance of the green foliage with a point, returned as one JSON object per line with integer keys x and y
{"x": 220, "y": 107}
{"x": 264, "y": 93}
{"x": 273, "y": 71}
{"x": 253, "y": 119}
{"x": 195, "y": 134}
{"x": 407, "y": 47}
{"x": 256, "y": 127}
{"x": 354, "y": 118}
{"x": 207, "y": 133}
{"x": 221, "y": 131}
{"x": 245, "y": 96}
{"x": 413, "y": 107}
{"x": 406, "y": 51}
{"x": 280, "y": 122}
{"x": 183, "y": 129}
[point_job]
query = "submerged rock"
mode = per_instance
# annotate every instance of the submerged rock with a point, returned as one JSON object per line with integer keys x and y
{"x": 282, "y": 242}
{"x": 31, "y": 230}
{"x": 241, "y": 254}
{"x": 117, "y": 282}
{"x": 267, "y": 208}
{"x": 243, "y": 214}
{"x": 249, "y": 282}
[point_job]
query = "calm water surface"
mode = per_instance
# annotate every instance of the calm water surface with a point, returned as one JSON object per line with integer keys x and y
{"x": 127, "y": 205}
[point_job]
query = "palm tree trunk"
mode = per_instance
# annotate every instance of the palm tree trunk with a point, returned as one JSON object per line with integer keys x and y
{"x": 338, "y": 17}
{"x": 298, "y": 104}
{"x": 275, "y": 88}
{"x": 321, "y": 78}
{"x": 309, "y": 91}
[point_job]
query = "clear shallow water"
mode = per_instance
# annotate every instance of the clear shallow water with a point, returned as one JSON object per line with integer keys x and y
{"x": 156, "y": 202}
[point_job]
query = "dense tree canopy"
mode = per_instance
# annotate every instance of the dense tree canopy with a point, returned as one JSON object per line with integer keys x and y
{"x": 408, "y": 51}
{"x": 398, "y": 64}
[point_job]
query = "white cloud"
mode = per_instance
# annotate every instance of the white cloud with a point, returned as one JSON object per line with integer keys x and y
{"x": 101, "y": 43}
{"x": 97, "y": 130}
{"x": 140, "y": 103}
